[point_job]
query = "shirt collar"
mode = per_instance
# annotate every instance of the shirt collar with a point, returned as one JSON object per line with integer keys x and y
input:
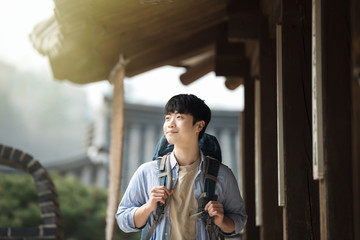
{"x": 173, "y": 161}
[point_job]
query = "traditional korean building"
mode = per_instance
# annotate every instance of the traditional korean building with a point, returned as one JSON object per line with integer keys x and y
{"x": 299, "y": 62}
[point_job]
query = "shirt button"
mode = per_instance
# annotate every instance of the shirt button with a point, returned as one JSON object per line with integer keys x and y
{"x": 173, "y": 179}
{"x": 165, "y": 234}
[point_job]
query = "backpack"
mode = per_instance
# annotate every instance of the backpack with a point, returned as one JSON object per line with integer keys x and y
{"x": 212, "y": 152}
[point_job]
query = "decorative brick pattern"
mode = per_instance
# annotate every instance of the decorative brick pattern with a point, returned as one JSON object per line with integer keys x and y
{"x": 48, "y": 201}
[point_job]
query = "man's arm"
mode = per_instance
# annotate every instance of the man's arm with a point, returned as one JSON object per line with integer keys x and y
{"x": 229, "y": 196}
{"x": 136, "y": 195}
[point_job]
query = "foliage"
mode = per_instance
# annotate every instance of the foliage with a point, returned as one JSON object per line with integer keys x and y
{"x": 83, "y": 208}
{"x": 18, "y": 201}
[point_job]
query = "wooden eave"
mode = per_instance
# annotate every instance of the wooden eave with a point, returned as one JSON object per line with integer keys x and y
{"x": 88, "y": 37}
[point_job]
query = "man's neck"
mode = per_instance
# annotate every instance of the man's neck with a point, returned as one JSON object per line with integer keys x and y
{"x": 186, "y": 156}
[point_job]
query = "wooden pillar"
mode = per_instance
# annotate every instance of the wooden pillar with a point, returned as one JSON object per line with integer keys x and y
{"x": 251, "y": 230}
{"x": 337, "y": 192}
{"x": 301, "y": 208}
{"x": 356, "y": 156}
{"x": 271, "y": 227}
{"x": 116, "y": 146}
{"x": 355, "y": 19}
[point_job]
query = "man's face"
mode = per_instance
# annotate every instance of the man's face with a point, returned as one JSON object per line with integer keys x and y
{"x": 179, "y": 129}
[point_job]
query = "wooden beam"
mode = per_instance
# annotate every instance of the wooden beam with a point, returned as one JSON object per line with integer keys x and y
{"x": 243, "y": 23}
{"x": 232, "y": 83}
{"x": 252, "y": 52}
{"x": 224, "y": 46}
{"x": 230, "y": 59}
{"x": 195, "y": 57}
{"x": 232, "y": 66}
{"x": 301, "y": 215}
{"x": 243, "y": 26}
{"x": 236, "y": 6}
{"x": 197, "y": 71}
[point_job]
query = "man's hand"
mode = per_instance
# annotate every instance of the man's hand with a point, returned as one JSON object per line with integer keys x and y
{"x": 157, "y": 194}
{"x": 216, "y": 210}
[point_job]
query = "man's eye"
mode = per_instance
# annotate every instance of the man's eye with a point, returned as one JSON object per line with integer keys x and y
{"x": 180, "y": 117}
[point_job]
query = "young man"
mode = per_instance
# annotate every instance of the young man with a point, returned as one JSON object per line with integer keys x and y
{"x": 186, "y": 118}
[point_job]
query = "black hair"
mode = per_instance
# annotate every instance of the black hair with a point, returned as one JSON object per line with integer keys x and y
{"x": 189, "y": 104}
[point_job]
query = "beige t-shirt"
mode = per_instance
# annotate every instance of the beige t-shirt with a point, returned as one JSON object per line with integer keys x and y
{"x": 183, "y": 204}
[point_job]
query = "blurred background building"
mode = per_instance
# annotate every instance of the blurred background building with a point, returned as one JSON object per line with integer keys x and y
{"x": 58, "y": 124}
{"x": 143, "y": 129}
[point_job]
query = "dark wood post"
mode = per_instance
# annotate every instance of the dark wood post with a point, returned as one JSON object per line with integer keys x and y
{"x": 355, "y": 19}
{"x": 271, "y": 227}
{"x": 301, "y": 210}
{"x": 356, "y": 155}
{"x": 251, "y": 230}
{"x": 337, "y": 192}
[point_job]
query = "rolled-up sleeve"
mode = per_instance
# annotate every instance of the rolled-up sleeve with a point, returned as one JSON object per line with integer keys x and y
{"x": 125, "y": 219}
{"x": 135, "y": 196}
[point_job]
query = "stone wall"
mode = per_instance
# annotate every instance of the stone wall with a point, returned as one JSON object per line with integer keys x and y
{"x": 48, "y": 200}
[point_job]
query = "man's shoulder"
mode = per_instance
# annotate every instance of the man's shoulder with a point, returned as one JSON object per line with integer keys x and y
{"x": 224, "y": 167}
{"x": 148, "y": 166}
{"x": 146, "y": 170}
{"x": 224, "y": 171}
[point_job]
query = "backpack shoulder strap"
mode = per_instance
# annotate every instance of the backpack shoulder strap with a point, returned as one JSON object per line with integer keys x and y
{"x": 211, "y": 170}
{"x": 165, "y": 179}
{"x": 164, "y": 171}
{"x": 212, "y": 166}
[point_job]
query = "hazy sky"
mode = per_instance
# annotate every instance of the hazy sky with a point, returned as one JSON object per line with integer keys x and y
{"x": 17, "y": 19}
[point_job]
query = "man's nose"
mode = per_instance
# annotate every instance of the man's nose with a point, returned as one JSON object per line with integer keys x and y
{"x": 171, "y": 122}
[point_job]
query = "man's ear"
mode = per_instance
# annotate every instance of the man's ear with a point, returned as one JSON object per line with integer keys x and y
{"x": 200, "y": 125}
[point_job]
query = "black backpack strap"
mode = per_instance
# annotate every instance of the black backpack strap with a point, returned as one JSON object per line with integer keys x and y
{"x": 211, "y": 170}
{"x": 165, "y": 179}
{"x": 212, "y": 166}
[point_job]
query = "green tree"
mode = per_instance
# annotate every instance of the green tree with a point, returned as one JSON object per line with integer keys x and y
{"x": 83, "y": 208}
{"x": 18, "y": 201}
